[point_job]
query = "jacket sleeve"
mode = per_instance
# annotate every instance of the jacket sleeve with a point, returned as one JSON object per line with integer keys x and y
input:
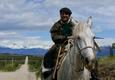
{"x": 56, "y": 35}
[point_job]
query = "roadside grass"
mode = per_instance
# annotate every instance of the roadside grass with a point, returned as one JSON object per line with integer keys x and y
{"x": 107, "y": 60}
{"x": 10, "y": 67}
{"x": 10, "y": 63}
{"x": 35, "y": 65}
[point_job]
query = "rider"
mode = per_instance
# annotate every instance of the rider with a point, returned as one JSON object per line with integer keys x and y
{"x": 59, "y": 33}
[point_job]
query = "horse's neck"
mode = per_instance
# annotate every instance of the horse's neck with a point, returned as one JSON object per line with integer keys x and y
{"x": 71, "y": 68}
{"x": 77, "y": 69}
{"x": 73, "y": 52}
{"x": 76, "y": 59}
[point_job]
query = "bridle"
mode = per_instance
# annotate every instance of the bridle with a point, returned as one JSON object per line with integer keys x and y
{"x": 79, "y": 51}
{"x": 71, "y": 40}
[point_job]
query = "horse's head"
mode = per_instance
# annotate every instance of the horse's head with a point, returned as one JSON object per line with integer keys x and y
{"x": 84, "y": 40}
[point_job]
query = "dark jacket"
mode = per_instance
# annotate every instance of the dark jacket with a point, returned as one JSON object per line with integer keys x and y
{"x": 60, "y": 31}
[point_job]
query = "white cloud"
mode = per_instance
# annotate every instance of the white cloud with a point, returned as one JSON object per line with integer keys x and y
{"x": 106, "y": 10}
{"x": 97, "y": 29}
{"x": 7, "y": 33}
{"x": 37, "y": 13}
{"x": 105, "y": 42}
{"x": 26, "y": 42}
{"x": 22, "y": 13}
{"x": 18, "y": 15}
{"x": 19, "y": 40}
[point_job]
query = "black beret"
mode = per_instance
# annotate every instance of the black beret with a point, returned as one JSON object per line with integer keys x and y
{"x": 66, "y": 10}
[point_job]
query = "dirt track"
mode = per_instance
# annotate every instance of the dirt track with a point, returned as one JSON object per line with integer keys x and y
{"x": 20, "y": 74}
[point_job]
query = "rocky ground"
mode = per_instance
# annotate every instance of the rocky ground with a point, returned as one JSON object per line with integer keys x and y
{"x": 107, "y": 72}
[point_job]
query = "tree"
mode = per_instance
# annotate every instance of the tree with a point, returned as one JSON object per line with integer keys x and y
{"x": 113, "y": 45}
{"x": 111, "y": 51}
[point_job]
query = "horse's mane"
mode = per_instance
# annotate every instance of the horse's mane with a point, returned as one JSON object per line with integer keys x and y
{"x": 78, "y": 28}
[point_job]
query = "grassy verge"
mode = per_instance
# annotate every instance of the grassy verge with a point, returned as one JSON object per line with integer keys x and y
{"x": 13, "y": 62}
{"x": 35, "y": 65}
{"x": 10, "y": 63}
{"x": 107, "y": 60}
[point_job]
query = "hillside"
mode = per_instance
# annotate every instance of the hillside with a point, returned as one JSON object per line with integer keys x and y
{"x": 105, "y": 50}
{"x": 24, "y": 51}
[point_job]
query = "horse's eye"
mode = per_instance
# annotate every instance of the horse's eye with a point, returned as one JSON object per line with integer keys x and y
{"x": 78, "y": 38}
{"x": 94, "y": 37}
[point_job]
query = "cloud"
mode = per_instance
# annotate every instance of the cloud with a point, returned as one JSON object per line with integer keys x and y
{"x": 22, "y": 40}
{"x": 25, "y": 42}
{"x": 106, "y": 10}
{"x": 40, "y": 14}
{"x": 17, "y": 16}
{"x": 97, "y": 29}
{"x": 7, "y": 33}
{"x": 106, "y": 41}
{"x": 23, "y": 15}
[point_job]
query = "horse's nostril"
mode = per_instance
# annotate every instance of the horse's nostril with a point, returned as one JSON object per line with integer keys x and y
{"x": 87, "y": 61}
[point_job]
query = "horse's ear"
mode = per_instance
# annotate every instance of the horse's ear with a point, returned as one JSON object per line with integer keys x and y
{"x": 89, "y": 21}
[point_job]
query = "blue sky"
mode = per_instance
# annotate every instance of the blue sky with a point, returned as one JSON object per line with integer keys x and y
{"x": 26, "y": 23}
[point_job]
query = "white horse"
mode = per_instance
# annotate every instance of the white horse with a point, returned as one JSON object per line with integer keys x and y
{"x": 80, "y": 56}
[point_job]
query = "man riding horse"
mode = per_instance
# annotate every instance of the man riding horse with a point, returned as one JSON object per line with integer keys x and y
{"x": 60, "y": 32}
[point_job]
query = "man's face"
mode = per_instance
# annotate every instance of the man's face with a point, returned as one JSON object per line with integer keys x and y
{"x": 64, "y": 16}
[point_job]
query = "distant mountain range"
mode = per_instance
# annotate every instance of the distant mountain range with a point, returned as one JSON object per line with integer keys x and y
{"x": 105, "y": 51}
{"x": 32, "y": 51}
